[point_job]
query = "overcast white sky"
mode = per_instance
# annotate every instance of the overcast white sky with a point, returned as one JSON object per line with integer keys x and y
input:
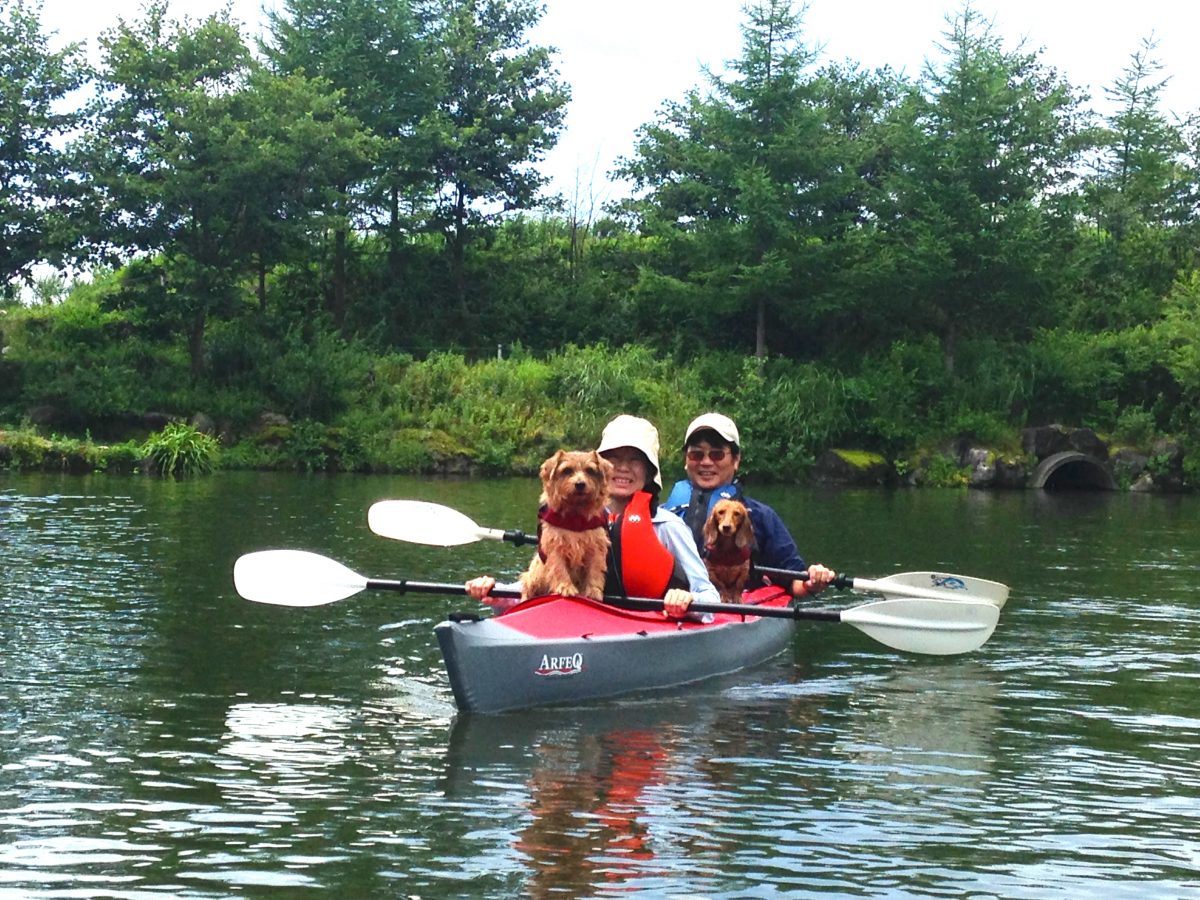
{"x": 623, "y": 58}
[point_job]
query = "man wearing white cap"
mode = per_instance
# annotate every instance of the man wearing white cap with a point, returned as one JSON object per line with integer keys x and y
{"x": 711, "y": 457}
{"x": 652, "y": 553}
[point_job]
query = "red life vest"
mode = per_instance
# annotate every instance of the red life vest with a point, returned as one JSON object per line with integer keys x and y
{"x": 644, "y": 566}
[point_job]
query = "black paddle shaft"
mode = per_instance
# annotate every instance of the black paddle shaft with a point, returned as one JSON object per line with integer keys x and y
{"x": 744, "y": 609}
{"x": 519, "y": 538}
{"x": 785, "y": 577}
{"x": 638, "y": 603}
{"x": 780, "y": 577}
{"x": 429, "y": 587}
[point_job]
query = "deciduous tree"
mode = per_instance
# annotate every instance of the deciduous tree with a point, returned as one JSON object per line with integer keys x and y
{"x": 499, "y": 110}
{"x": 201, "y": 157}
{"x": 373, "y": 54}
{"x": 34, "y": 121}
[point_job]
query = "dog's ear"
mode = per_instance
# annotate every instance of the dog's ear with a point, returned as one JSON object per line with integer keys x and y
{"x": 709, "y": 532}
{"x": 550, "y": 465}
{"x": 745, "y": 532}
{"x": 606, "y": 468}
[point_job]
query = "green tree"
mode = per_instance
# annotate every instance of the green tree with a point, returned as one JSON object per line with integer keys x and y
{"x": 34, "y": 185}
{"x": 200, "y": 156}
{"x": 751, "y": 184}
{"x": 499, "y": 110}
{"x": 1139, "y": 179}
{"x": 968, "y": 216}
{"x": 300, "y": 146}
{"x": 1139, "y": 197}
{"x": 374, "y": 55}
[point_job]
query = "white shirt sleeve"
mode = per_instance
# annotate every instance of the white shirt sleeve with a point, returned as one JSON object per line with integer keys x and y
{"x": 677, "y": 538}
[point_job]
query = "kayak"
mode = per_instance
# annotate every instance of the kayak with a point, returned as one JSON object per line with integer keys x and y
{"x": 566, "y": 649}
{"x": 559, "y": 649}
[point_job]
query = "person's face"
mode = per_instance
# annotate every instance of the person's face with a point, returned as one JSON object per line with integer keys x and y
{"x": 630, "y": 470}
{"x": 710, "y": 465}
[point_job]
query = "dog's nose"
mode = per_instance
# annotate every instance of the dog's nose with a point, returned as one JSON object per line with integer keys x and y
{"x": 580, "y": 487}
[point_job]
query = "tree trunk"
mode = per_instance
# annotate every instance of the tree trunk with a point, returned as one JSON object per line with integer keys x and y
{"x": 394, "y": 234}
{"x": 262, "y": 284}
{"x": 338, "y": 308}
{"x": 949, "y": 347}
{"x": 196, "y": 342}
{"x": 760, "y": 333}
{"x": 339, "y": 278}
{"x": 458, "y": 252}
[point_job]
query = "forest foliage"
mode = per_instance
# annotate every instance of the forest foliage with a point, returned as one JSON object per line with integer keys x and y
{"x": 344, "y": 225}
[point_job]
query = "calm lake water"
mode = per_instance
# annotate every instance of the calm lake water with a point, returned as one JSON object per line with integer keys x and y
{"x": 159, "y": 736}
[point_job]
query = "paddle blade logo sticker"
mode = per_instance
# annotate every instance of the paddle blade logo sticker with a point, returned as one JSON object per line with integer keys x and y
{"x": 949, "y": 582}
{"x": 555, "y": 666}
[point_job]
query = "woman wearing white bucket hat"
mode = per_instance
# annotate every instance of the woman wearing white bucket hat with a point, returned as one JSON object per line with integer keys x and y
{"x": 652, "y": 550}
{"x": 652, "y": 553}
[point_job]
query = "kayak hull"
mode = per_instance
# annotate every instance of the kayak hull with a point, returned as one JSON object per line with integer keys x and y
{"x": 567, "y": 649}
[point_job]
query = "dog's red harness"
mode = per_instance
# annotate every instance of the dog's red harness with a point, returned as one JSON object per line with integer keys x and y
{"x": 734, "y": 557}
{"x": 646, "y": 565}
{"x": 570, "y": 521}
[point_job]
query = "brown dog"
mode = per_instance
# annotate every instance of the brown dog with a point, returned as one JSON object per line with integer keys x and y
{"x": 572, "y": 538}
{"x": 728, "y": 539}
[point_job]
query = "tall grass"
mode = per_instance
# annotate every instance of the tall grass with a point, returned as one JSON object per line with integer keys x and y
{"x": 181, "y": 451}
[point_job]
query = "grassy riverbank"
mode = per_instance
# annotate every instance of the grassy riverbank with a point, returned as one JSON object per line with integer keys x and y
{"x": 446, "y": 415}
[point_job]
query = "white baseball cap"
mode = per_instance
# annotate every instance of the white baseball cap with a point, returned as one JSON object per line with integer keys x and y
{"x": 722, "y": 425}
{"x": 635, "y": 432}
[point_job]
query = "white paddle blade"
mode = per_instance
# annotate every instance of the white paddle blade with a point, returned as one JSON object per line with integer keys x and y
{"x": 418, "y": 522}
{"x": 938, "y": 627}
{"x": 898, "y": 589}
{"x": 294, "y": 578}
{"x": 966, "y": 587}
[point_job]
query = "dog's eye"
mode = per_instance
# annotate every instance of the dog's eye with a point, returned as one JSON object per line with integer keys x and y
{"x": 593, "y": 472}
{"x": 567, "y": 471}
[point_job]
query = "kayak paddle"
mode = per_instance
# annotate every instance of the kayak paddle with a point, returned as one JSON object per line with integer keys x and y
{"x": 917, "y": 625}
{"x": 419, "y": 522}
{"x": 929, "y": 585}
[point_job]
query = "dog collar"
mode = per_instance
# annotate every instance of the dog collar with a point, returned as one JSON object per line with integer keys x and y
{"x": 571, "y": 521}
{"x": 728, "y": 557}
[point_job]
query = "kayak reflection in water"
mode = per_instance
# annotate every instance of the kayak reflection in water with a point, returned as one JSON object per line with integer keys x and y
{"x": 651, "y": 551}
{"x": 588, "y": 809}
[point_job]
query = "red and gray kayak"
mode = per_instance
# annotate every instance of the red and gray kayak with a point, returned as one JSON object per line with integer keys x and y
{"x": 568, "y": 649}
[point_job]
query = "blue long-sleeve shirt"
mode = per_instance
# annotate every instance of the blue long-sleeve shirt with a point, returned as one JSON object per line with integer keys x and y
{"x": 774, "y": 545}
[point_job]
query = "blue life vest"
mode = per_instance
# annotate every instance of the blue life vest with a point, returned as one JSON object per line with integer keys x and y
{"x": 773, "y": 544}
{"x": 679, "y": 501}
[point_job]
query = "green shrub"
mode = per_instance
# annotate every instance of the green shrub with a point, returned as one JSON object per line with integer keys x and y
{"x": 1135, "y": 426}
{"x": 941, "y": 471}
{"x": 181, "y": 451}
{"x": 982, "y": 427}
{"x": 250, "y": 454}
{"x": 787, "y": 416}
{"x": 26, "y": 449}
{"x": 121, "y": 458}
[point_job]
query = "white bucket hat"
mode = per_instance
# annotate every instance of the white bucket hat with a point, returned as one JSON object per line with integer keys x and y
{"x": 635, "y": 432}
{"x": 722, "y": 425}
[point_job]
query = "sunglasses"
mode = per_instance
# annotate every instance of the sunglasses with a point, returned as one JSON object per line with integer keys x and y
{"x": 714, "y": 455}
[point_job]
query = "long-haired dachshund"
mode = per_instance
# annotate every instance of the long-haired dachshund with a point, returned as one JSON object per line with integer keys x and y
{"x": 572, "y": 552}
{"x": 728, "y": 540}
